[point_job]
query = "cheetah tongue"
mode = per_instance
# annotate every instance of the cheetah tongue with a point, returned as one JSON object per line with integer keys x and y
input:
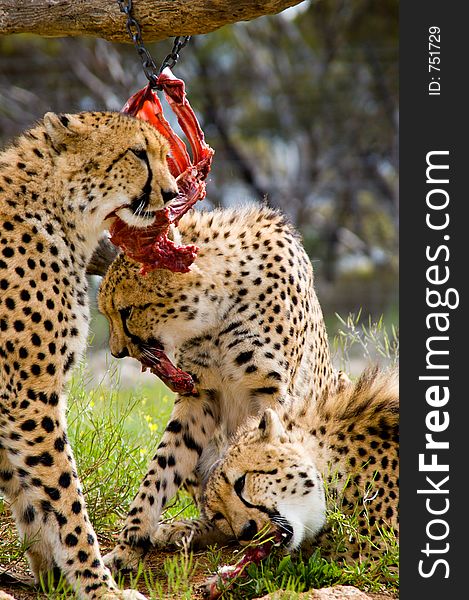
{"x": 159, "y": 364}
{"x": 151, "y": 246}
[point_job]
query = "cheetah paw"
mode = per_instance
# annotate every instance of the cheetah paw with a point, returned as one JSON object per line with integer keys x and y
{"x": 122, "y": 595}
{"x": 173, "y": 534}
{"x": 131, "y": 595}
{"x": 123, "y": 558}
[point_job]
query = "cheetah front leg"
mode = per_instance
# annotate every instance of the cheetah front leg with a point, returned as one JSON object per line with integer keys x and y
{"x": 258, "y": 383}
{"x": 188, "y": 432}
{"x": 40, "y": 481}
{"x": 39, "y": 552}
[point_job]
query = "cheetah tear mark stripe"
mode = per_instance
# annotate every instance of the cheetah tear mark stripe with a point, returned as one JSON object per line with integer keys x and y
{"x": 238, "y": 487}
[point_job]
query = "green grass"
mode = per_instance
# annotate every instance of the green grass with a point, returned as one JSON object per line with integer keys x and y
{"x": 370, "y": 342}
{"x": 298, "y": 574}
{"x": 114, "y": 433}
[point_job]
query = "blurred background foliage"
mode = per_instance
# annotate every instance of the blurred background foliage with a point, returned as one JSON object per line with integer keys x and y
{"x": 301, "y": 108}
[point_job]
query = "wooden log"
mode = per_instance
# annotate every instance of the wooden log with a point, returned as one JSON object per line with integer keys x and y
{"x": 159, "y": 19}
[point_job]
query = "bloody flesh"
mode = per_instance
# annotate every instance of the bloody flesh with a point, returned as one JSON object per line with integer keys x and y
{"x": 150, "y": 246}
{"x": 217, "y": 584}
{"x": 159, "y": 364}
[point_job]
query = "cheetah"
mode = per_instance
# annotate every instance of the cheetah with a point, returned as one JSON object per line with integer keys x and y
{"x": 61, "y": 184}
{"x": 245, "y": 323}
{"x": 288, "y": 468}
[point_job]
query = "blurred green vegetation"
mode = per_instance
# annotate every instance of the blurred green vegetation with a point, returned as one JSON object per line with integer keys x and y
{"x": 301, "y": 108}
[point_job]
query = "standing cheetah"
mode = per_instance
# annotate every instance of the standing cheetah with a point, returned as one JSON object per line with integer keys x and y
{"x": 245, "y": 322}
{"x": 61, "y": 183}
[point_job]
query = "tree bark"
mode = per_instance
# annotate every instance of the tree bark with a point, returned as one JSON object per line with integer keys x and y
{"x": 159, "y": 19}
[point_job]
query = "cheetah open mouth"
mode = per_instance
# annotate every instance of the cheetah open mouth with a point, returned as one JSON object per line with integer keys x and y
{"x": 150, "y": 246}
{"x": 283, "y": 534}
{"x": 157, "y": 362}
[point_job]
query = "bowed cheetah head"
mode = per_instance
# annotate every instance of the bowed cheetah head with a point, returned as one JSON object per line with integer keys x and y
{"x": 162, "y": 307}
{"x": 267, "y": 482}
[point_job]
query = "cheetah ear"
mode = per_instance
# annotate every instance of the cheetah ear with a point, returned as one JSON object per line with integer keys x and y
{"x": 102, "y": 257}
{"x": 272, "y": 427}
{"x": 62, "y": 128}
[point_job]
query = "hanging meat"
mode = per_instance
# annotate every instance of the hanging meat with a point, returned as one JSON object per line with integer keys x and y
{"x": 151, "y": 246}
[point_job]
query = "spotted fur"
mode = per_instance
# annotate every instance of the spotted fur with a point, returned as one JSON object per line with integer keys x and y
{"x": 245, "y": 322}
{"x": 60, "y": 183}
{"x": 288, "y": 468}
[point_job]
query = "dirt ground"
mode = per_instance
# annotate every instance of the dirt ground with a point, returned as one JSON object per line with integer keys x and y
{"x": 18, "y": 582}
{"x": 21, "y": 587}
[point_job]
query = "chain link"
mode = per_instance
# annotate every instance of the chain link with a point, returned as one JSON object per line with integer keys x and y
{"x": 152, "y": 72}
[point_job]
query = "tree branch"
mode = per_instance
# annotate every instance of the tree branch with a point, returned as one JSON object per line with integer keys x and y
{"x": 159, "y": 19}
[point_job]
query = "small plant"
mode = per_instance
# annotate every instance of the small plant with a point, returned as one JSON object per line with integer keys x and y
{"x": 373, "y": 342}
{"x": 213, "y": 556}
{"x": 173, "y": 580}
{"x": 54, "y": 586}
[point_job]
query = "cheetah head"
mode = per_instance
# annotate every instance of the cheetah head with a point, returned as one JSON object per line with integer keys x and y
{"x": 266, "y": 483}
{"x": 160, "y": 310}
{"x": 111, "y": 165}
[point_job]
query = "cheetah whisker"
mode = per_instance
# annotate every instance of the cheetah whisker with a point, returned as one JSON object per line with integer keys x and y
{"x": 140, "y": 208}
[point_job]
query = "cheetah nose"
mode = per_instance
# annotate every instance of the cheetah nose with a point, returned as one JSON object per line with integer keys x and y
{"x": 124, "y": 352}
{"x": 168, "y": 195}
{"x": 248, "y": 531}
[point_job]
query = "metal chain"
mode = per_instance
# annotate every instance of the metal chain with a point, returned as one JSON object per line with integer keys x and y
{"x": 172, "y": 58}
{"x": 152, "y": 72}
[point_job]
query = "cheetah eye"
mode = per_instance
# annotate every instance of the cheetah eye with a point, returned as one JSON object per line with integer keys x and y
{"x": 126, "y": 312}
{"x": 140, "y": 153}
{"x": 239, "y": 484}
